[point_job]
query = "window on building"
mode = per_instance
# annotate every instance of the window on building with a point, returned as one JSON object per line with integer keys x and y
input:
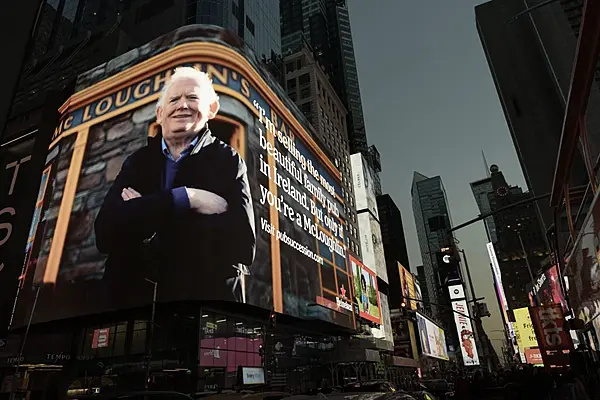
{"x": 306, "y": 108}
{"x": 305, "y": 92}
{"x": 138, "y": 341}
{"x": 292, "y": 96}
{"x": 235, "y": 9}
{"x": 291, "y": 83}
{"x": 289, "y": 67}
{"x": 249, "y": 25}
{"x": 304, "y": 79}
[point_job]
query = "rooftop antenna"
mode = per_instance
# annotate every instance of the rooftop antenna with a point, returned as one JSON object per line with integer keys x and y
{"x": 487, "y": 167}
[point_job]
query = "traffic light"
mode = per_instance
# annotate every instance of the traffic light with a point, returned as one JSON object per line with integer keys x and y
{"x": 272, "y": 320}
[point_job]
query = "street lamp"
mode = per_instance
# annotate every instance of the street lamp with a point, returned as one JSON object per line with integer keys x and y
{"x": 151, "y": 335}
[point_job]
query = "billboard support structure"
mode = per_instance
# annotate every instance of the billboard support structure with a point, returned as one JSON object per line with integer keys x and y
{"x": 20, "y": 356}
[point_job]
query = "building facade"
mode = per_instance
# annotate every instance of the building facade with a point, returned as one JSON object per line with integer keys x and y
{"x": 325, "y": 26}
{"x": 394, "y": 245}
{"x": 307, "y": 85}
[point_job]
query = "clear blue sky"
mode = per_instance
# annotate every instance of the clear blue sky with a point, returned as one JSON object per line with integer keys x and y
{"x": 430, "y": 105}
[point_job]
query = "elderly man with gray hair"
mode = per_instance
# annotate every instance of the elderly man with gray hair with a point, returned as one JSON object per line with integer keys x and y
{"x": 181, "y": 204}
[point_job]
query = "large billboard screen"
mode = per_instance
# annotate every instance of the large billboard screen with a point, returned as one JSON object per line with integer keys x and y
{"x": 554, "y": 341}
{"x": 250, "y": 210}
{"x": 366, "y": 292}
{"x": 432, "y": 337}
{"x": 371, "y": 244}
{"x": 364, "y": 187}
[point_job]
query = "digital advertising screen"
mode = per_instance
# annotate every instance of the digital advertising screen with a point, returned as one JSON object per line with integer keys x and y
{"x": 432, "y": 338}
{"x": 212, "y": 188}
{"x": 524, "y": 329}
{"x": 366, "y": 293}
{"x": 548, "y": 289}
{"x": 407, "y": 282}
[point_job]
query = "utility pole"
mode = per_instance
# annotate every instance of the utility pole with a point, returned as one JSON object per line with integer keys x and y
{"x": 151, "y": 333}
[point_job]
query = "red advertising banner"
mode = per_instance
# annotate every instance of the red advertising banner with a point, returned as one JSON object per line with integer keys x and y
{"x": 100, "y": 338}
{"x": 554, "y": 342}
{"x": 533, "y": 356}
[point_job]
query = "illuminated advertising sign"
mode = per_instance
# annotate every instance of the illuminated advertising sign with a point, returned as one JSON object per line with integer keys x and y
{"x": 366, "y": 293}
{"x": 464, "y": 327}
{"x": 456, "y": 292}
{"x": 407, "y": 281}
{"x": 554, "y": 342}
{"x": 524, "y": 329}
{"x": 138, "y": 189}
{"x": 16, "y": 175}
{"x": 548, "y": 289}
{"x": 498, "y": 285}
{"x": 100, "y": 338}
{"x": 432, "y": 337}
{"x": 533, "y": 356}
{"x": 583, "y": 270}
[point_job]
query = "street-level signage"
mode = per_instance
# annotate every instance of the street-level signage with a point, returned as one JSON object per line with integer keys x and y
{"x": 100, "y": 338}
{"x": 343, "y": 304}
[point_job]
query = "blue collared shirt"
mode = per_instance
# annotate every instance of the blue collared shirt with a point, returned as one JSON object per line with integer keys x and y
{"x": 180, "y": 197}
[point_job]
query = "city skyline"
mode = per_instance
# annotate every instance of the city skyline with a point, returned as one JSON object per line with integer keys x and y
{"x": 430, "y": 106}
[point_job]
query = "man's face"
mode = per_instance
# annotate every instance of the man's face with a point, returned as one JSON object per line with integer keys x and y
{"x": 185, "y": 110}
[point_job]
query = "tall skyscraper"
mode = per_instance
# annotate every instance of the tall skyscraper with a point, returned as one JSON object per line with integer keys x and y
{"x": 481, "y": 189}
{"x": 432, "y": 219}
{"x": 394, "y": 245}
{"x": 325, "y": 24}
{"x": 516, "y": 233}
{"x": 307, "y": 85}
{"x": 530, "y": 59}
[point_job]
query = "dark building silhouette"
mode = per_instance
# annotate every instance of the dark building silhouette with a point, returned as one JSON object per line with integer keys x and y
{"x": 509, "y": 225}
{"x": 530, "y": 60}
{"x": 394, "y": 245}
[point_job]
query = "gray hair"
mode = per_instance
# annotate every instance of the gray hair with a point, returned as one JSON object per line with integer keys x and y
{"x": 188, "y": 72}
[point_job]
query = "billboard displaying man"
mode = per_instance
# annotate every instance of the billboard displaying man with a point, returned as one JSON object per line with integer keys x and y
{"x": 214, "y": 190}
{"x": 185, "y": 190}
